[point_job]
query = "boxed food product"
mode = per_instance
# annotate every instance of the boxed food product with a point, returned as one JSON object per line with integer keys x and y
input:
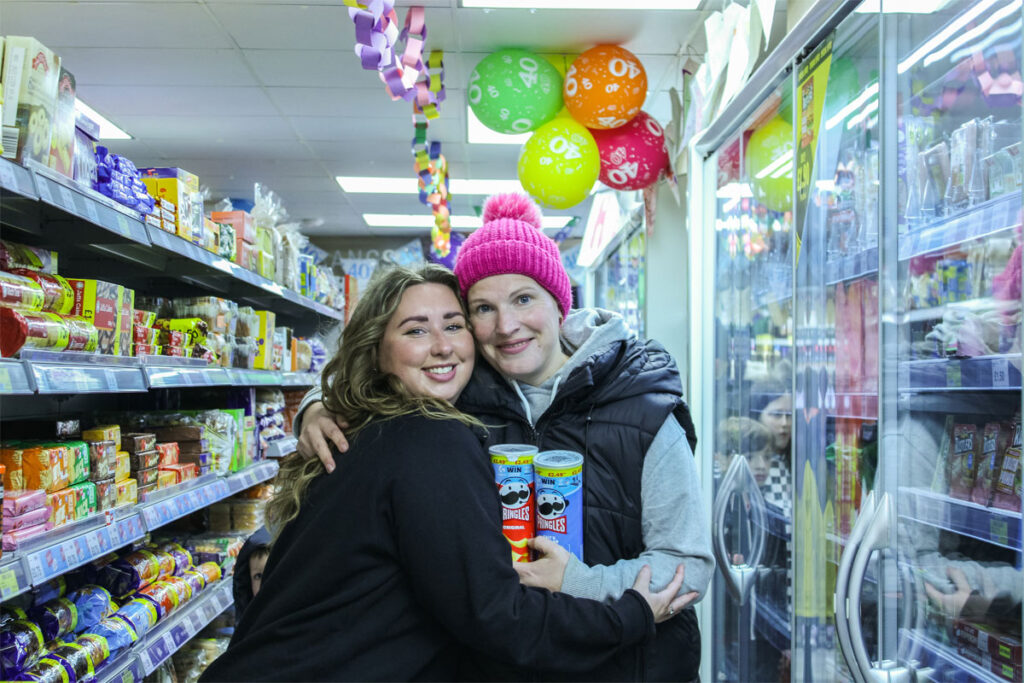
{"x": 1009, "y": 672}
{"x": 125, "y": 322}
{"x": 1007, "y": 490}
{"x": 166, "y": 478}
{"x": 176, "y": 351}
{"x": 240, "y": 221}
{"x": 63, "y": 506}
{"x": 994, "y": 440}
{"x": 78, "y": 461}
{"x": 143, "y": 460}
{"x": 145, "y": 335}
{"x": 86, "y": 501}
{"x": 101, "y": 303}
{"x": 182, "y": 471}
{"x": 46, "y": 467}
{"x": 147, "y": 350}
{"x": 168, "y": 453}
{"x": 211, "y": 236}
{"x": 143, "y": 318}
{"x": 265, "y": 339}
{"x": 102, "y": 460}
{"x": 32, "y": 329}
{"x": 106, "y": 494}
{"x": 145, "y": 477}
{"x": 62, "y": 139}
{"x": 123, "y": 468}
{"x": 986, "y": 639}
{"x": 30, "y": 73}
{"x": 964, "y": 455}
{"x": 127, "y": 492}
{"x": 134, "y": 442}
{"x": 87, "y": 133}
{"x": 104, "y": 433}
{"x": 13, "y": 458}
{"x": 181, "y": 189}
{"x": 179, "y": 433}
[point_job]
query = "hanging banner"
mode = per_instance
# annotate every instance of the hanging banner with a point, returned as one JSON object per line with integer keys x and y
{"x": 813, "y": 79}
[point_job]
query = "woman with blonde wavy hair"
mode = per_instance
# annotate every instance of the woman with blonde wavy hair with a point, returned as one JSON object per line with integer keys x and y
{"x": 395, "y": 567}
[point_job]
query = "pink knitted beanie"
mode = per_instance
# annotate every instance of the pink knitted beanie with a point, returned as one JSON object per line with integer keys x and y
{"x": 511, "y": 243}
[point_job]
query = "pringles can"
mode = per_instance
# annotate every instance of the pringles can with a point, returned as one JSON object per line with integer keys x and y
{"x": 513, "y": 472}
{"x": 558, "y": 479}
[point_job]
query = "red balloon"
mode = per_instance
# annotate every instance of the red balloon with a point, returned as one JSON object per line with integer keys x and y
{"x": 633, "y": 156}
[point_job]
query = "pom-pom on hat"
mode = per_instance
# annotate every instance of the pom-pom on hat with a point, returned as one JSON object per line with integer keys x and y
{"x": 511, "y": 243}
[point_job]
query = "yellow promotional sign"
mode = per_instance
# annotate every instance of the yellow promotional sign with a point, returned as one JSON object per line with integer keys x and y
{"x": 813, "y": 79}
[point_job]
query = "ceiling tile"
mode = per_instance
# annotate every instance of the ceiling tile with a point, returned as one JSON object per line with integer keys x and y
{"x": 386, "y": 130}
{"x": 354, "y": 102}
{"x": 308, "y": 68}
{"x": 179, "y": 101}
{"x": 269, "y": 153}
{"x": 255, "y": 128}
{"x": 113, "y": 24}
{"x": 315, "y": 27}
{"x": 150, "y": 66}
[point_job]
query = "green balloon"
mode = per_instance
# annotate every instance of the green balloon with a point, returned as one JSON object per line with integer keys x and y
{"x": 514, "y": 91}
{"x": 786, "y": 106}
{"x": 843, "y": 85}
{"x": 766, "y": 146}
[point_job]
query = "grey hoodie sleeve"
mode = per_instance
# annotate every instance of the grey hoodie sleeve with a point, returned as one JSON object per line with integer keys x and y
{"x": 675, "y": 527}
{"x": 311, "y": 397}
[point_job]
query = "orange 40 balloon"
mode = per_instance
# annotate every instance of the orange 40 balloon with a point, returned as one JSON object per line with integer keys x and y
{"x": 605, "y": 87}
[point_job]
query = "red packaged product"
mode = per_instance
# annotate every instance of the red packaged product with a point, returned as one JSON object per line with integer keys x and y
{"x": 31, "y": 329}
{"x": 166, "y": 350}
{"x": 964, "y": 453}
{"x": 143, "y": 318}
{"x": 993, "y": 444}
{"x": 180, "y": 586}
{"x": 144, "y": 335}
{"x": 163, "y": 595}
{"x": 58, "y": 297}
{"x": 1007, "y": 490}
{"x": 82, "y": 334}
{"x": 148, "y": 350}
{"x": 14, "y": 255}
{"x": 18, "y": 291}
{"x": 169, "y": 452}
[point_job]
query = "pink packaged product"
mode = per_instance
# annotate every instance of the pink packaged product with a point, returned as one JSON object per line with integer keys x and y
{"x": 19, "y": 502}
{"x": 32, "y": 518}
{"x": 13, "y": 539}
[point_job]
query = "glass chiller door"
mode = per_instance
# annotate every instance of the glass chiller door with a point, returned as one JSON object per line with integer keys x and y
{"x": 752, "y": 511}
{"x": 955, "y": 279}
{"x": 836, "y": 352}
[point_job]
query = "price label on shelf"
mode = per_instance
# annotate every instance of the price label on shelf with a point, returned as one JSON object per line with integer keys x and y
{"x": 155, "y": 654}
{"x": 8, "y": 577}
{"x": 999, "y": 531}
{"x": 130, "y": 529}
{"x": 128, "y": 676}
{"x": 6, "y": 385}
{"x": 111, "y": 378}
{"x": 44, "y": 190}
{"x": 93, "y": 542}
{"x": 179, "y": 635}
{"x": 7, "y": 177}
{"x": 1000, "y": 373}
{"x": 953, "y": 377}
{"x": 91, "y": 212}
{"x": 82, "y": 552}
{"x": 67, "y": 198}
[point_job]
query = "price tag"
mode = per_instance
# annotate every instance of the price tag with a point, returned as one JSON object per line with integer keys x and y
{"x": 124, "y": 226}
{"x": 999, "y": 531}
{"x": 128, "y": 676}
{"x": 70, "y": 552}
{"x": 111, "y": 378}
{"x": 35, "y": 569}
{"x": 152, "y": 517}
{"x": 197, "y": 622}
{"x": 1000, "y": 373}
{"x": 179, "y": 635}
{"x": 6, "y": 385}
{"x": 7, "y": 177}
{"x": 95, "y": 546}
{"x": 953, "y": 378}
{"x": 44, "y": 190}
{"x": 81, "y": 549}
{"x": 91, "y": 212}
{"x": 67, "y": 198}
{"x": 8, "y": 577}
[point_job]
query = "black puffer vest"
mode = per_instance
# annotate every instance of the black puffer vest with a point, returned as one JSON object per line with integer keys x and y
{"x": 609, "y": 408}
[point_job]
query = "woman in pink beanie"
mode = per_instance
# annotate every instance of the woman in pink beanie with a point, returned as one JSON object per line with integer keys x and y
{"x": 578, "y": 380}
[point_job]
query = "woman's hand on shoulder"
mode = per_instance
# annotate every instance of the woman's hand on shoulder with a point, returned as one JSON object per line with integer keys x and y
{"x": 318, "y": 427}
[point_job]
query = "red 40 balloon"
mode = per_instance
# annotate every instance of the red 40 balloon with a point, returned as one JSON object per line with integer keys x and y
{"x": 633, "y": 155}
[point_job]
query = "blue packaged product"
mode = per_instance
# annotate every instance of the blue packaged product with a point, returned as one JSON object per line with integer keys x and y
{"x": 558, "y": 481}
{"x": 141, "y": 613}
{"x": 93, "y": 604}
{"x": 50, "y": 669}
{"x": 51, "y": 590}
{"x": 21, "y": 644}
{"x": 55, "y": 619}
{"x": 117, "y": 633}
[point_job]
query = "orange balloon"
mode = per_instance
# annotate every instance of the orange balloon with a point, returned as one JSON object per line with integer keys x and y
{"x": 605, "y": 87}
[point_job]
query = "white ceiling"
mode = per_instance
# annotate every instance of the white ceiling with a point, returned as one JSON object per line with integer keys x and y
{"x": 270, "y": 90}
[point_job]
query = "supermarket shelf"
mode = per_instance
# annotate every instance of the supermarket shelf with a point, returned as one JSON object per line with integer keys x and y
{"x": 17, "y": 179}
{"x": 978, "y": 221}
{"x": 943, "y": 663}
{"x": 73, "y": 545}
{"x": 985, "y": 373}
{"x": 282, "y": 447}
{"x": 938, "y": 312}
{"x": 991, "y": 525}
{"x": 857, "y": 406}
{"x": 47, "y": 372}
{"x": 851, "y": 267}
{"x": 169, "y": 636}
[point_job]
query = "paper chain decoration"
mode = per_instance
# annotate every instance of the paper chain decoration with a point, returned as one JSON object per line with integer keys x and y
{"x": 408, "y": 78}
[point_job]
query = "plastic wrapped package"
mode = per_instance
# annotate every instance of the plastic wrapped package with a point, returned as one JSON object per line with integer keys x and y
{"x": 51, "y": 590}
{"x": 248, "y": 323}
{"x": 78, "y": 461}
{"x": 106, "y": 494}
{"x": 102, "y": 460}
{"x": 12, "y": 458}
{"x": 181, "y": 587}
{"x": 34, "y": 330}
{"x": 111, "y": 432}
{"x": 144, "y": 460}
{"x": 76, "y": 657}
{"x": 123, "y": 468}
{"x": 21, "y": 644}
{"x": 14, "y": 539}
{"x": 96, "y": 647}
{"x": 46, "y": 467}
{"x": 303, "y": 356}
{"x": 141, "y": 613}
{"x": 182, "y": 558}
{"x": 244, "y": 353}
{"x": 196, "y": 328}
{"x": 85, "y": 499}
{"x": 210, "y": 571}
{"x": 27, "y": 519}
{"x": 21, "y": 292}
{"x": 63, "y": 506}
{"x": 116, "y": 632}
{"x": 93, "y": 604}
{"x": 49, "y": 670}
{"x": 136, "y": 442}
{"x": 58, "y": 296}
{"x": 169, "y": 452}
{"x": 55, "y": 618}
{"x": 319, "y": 358}
{"x": 129, "y": 573}
{"x": 20, "y": 502}
{"x": 14, "y": 255}
{"x": 166, "y": 561}
{"x": 11, "y": 612}
{"x": 195, "y": 580}
{"x": 127, "y": 492}
{"x": 162, "y": 596}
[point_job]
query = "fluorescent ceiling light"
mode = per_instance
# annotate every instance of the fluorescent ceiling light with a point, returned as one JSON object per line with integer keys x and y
{"x": 868, "y": 111}
{"x": 945, "y": 34}
{"x": 479, "y": 134}
{"x": 583, "y": 4}
{"x": 409, "y": 185}
{"x": 775, "y": 165}
{"x": 425, "y": 220}
{"x": 108, "y": 131}
{"x": 734, "y": 191}
{"x": 901, "y": 6}
{"x": 979, "y": 30}
{"x": 852, "y": 107}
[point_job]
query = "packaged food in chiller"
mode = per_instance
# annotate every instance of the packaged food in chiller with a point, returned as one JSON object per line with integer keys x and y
{"x": 141, "y": 613}
{"x": 26, "y": 519}
{"x": 93, "y": 604}
{"x": 994, "y": 440}
{"x": 147, "y": 350}
{"x": 965, "y": 451}
{"x": 127, "y": 492}
{"x": 63, "y": 506}
{"x": 163, "y": 597}
{"x": 145, "y": 477}
{"x": 104, "y": 433}
{"x": 18, "y": 291}
{"x": 46, "y": 467}
{"x": 14, "y": 255}
{"x": 74, "y": 658}
{"x": 169, "y": 452}
{"x": 21, "y": 644}
{"x": 144, "y": 460}
{"x": 96, "y": 647}
{"x": 129, "y": 573}
{"x": 182, "y": 558}
{"x": 55, "y": 618}
{"x": 58, "y": 296}
{"x": 82, "y": 334}
{"x": 14, "y": 539}
{"x": 195, "y": 579}
{"x": 102, "y": 460}
{"x": 31, "y": 329}
{"x": 165, "y": 478}
{"x": 78, "y": 461}
{"x": 1007, "y": 491}
{"x": 12, "y": 457}
{"x": 195, "y": 327}
{"x": 20, "y": 502}
{"x": 117, "y": 633}
{"x": 123, "y": 469}
{"x": 51, "y": 590}
{"x": 106, "y": 494}
{"x": 210, "y": 571}
{"x": 85, "y": 499}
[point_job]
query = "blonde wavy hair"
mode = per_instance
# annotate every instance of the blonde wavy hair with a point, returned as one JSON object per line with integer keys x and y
{"x": 355, "y": 389}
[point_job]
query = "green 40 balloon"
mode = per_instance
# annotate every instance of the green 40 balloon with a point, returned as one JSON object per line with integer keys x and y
{"x": 514, "y": 91}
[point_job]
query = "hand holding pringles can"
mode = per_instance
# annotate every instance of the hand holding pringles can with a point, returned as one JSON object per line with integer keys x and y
{"x": 558, "y": 478}
{"x": 513, "y": 473}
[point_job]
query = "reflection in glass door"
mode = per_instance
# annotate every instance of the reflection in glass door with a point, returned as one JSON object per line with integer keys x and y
{"x": 752, "y": 511}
